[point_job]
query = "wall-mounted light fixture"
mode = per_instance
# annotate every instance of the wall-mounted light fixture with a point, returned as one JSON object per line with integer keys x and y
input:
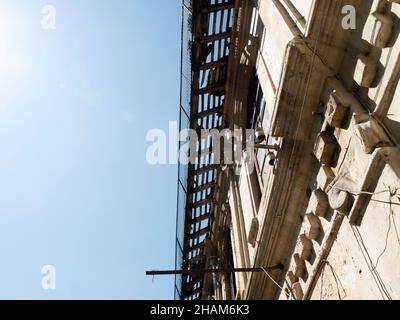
{"x": 260, "y": 138}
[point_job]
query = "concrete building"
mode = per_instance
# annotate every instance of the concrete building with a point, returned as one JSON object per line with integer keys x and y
{"x": 320, "y": 79}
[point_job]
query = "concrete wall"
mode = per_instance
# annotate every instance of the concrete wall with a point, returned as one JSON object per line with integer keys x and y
{"x": 303, "y": 6}
{"x": 273, "y": 44}
{"x": 363, "y": 260}
{"x": 342, "y": 263}
{"x": 355, "y": 254}
{"x": 357, "y": 250}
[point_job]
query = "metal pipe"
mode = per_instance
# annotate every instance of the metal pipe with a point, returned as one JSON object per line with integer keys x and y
{"x": 267, "y": 147}
{"x": 215, "y": 271}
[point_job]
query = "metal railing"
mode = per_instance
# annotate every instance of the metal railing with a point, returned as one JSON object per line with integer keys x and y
{"x": 206, "y": 32}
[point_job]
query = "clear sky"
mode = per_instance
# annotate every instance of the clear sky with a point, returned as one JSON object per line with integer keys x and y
{"x": 75, "y": 106}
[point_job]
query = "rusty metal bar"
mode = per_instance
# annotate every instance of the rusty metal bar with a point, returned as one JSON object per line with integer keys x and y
{"x": 215, "y": 271}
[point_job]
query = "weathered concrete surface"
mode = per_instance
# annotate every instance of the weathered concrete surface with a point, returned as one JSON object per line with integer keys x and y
{"x": 328, "y": 208}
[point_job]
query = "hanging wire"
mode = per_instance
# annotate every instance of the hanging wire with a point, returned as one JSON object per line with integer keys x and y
{"x": 357, "y": 193}
{"x": 393, "y": 192}
{"x": 322, "y": 281}
{"x": 336, "y": 278}
{"x": 375, "y": 274}
{"x": 292, "y": 295}
{"x": 272, "y": 279}
{"x": 392, "y": 221}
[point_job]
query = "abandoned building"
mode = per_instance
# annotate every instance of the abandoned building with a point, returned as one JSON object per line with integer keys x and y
{"x": 319, "y": 218}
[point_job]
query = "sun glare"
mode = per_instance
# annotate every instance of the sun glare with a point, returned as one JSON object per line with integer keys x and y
{"x": 14, "y": 60}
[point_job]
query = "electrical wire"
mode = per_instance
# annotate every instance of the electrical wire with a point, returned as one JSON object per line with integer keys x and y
{"x": 375, "y": 274}
{"x": 272, "y": 279}
{"x": 322, "y": 281}
{"x": 292, "y": 296}
{"x": 337, "y": 279}
{"x": 392, "y": 221}
{"x": 358, "y": 193}
{"x": 386, "y": 243}
{"x": 373, "y": 267}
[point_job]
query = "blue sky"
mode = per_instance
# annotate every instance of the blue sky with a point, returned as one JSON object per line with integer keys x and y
{"x": 75, "y": 106}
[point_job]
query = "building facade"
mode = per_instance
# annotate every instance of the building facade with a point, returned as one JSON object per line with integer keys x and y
{"x": 317, "y": 81}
